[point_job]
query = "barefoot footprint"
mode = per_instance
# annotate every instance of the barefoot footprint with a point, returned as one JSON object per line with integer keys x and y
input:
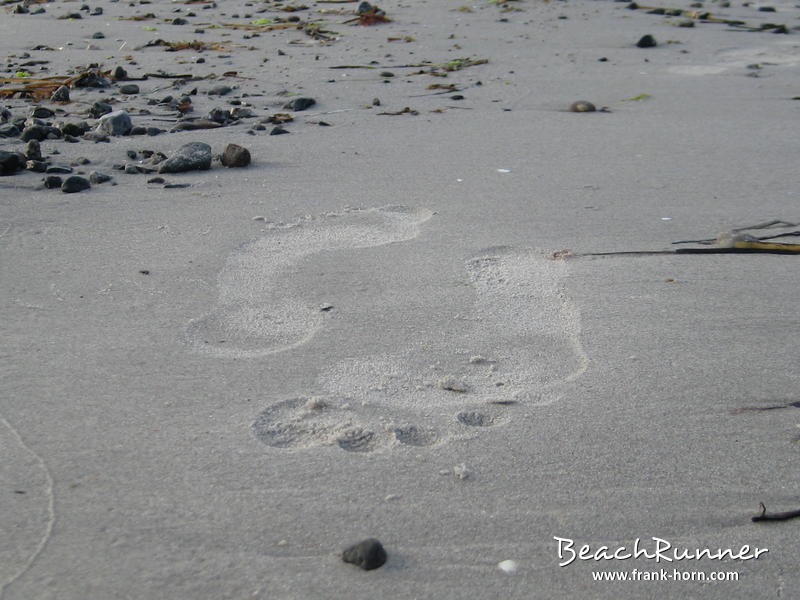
{"x": 522, "y": 342}
{"x": 256, "y": 313}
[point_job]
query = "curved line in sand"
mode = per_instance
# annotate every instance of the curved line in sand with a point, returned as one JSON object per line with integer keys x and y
{"x": 51, "y": 514}
{"x": 226, "y": 353}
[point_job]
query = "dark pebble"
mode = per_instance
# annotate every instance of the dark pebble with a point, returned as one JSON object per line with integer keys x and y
{"x": 52, "y": 133}
{"x": 82, "y": 160}
{"x": 75, "y": 183}
{"x": 131, "y": 169}
{"x": 60, "y": 169}
{"x": 195, "y": 124}
{"x": 219, "y": 115}
{"x": 61, "y": 94}
{"x": 151, "y": 131}
{"x": 129, "y": 89}
{"x": 71, "y": 139}
{"x": 220, "y": 90}
{"x": 235, "y": 156}
{"x": 457, "y": 97}
{"x": 194, "y": 156}
{"x": 34, "y": 132}
{"x": 37, "y": 166}
{"x": 138, "y": 130}
{"x": 767, "y": 9}
{"x": 98, "y": 35}
{"x": 179, "y": 21}
{"x": 52, "y": 182}
{"x": 73, "y": 129}
{"x": 98, "y": 109}
{"x": 368, "y": 554}
{"x": 242, "y": 112}
{"x": 120, "y": 74}
{"x": 96, "y": 12}
{"x": 33, "y": 150}
{"x": 171, "y": 186}
{"x": 582, "y": 106}
{"x": 91, "y": 80}
{"x": 156, "y": 180}
{"x": 387, "y": 74}
{"x": 9, "y": 130}
{"x": 98, "y": 177}
{"x": 299, "y": 104}
{"x": 278, "y": 130}
{"x": 40, "y": 112}
{"x": 647, "y": 41}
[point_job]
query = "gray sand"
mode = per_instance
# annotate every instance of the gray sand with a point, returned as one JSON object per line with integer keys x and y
{"x": 207, "y": 430}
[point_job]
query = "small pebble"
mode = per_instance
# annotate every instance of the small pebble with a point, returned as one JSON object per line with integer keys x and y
{"x": 97, "y": 177}
{"x": 299, "y": 104}
{"x": 582, "y": 106}
{"x": 59, "y": 169}
{"x": 52, "y": 182}
{"x": 647, "y": 41}
{"x": 235, "y": 156}
{"x": 368, "y": 554}
{"x": 75, "y": 183}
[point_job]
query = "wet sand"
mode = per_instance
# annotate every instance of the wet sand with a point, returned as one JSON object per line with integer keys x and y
{"x": 211, "y": 391}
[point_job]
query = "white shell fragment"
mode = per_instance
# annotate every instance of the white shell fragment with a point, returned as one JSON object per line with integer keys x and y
{"x": 508, "y": 566}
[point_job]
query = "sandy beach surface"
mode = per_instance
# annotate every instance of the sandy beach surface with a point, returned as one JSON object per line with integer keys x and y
{"x": 214, "y": 383}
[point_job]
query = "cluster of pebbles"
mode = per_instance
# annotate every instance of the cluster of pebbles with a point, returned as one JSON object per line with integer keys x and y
{"x": 30, "y": 124}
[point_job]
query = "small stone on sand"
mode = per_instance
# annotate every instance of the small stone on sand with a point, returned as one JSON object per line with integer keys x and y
{"x": 235, "y": 156}
{"x": 367, "y": 554}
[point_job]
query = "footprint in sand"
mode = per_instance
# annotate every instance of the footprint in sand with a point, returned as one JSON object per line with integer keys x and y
{"x": 256, "y": 313}
{"x": 519, "y": 346}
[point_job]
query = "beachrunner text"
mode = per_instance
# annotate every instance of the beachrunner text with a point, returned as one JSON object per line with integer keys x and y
{"x": 662, "y": 550}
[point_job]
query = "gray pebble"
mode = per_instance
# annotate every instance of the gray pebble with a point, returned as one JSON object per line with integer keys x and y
{"x": 75, "y": 183}
{"x": 115, "y": 123}
{"x": 195, "y": 156}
